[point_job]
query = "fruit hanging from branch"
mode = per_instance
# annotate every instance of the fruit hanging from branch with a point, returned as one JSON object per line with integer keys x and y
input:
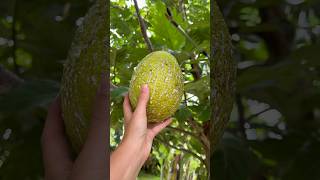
{"x": 161, "y": 71}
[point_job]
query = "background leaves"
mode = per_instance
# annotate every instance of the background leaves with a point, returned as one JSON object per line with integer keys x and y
{"x": 276, "y": 46}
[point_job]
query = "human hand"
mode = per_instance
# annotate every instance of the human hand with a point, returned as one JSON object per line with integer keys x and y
{"x": 91, "y": 163}
{"x": 135, "y": 147}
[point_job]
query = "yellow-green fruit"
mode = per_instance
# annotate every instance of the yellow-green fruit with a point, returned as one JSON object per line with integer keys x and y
{"x": 87, "y": 60}
{"x": 161, "y": 71}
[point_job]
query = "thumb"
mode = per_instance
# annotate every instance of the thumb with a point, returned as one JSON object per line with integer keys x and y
{"x": 155, "y": 129}
{"x": 143, "y": 100}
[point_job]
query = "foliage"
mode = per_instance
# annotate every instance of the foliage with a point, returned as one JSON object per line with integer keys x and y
{"x": 128, "y": 48}
{"x": 273, "y": 131}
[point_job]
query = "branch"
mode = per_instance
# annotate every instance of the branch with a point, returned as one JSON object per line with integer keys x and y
{"x": 182, "y": 9}
{"x": 191, "y": 97}
{"x": 182, "y": 149}
{"x": 183, "y": 32}
{"x": 183, "y": 131}
{"x": 112, "y": 86}
{"x": 203, "y": 138}
{"x": 241, "y": 114}
{"x": 114, "y": 71}
{"x": 185, "y": 98}
{"x": 143, "y": 27}
{"x": 191, "y": 121}
{"x": 196, "y": 70}
{"x": 257, "y": 114}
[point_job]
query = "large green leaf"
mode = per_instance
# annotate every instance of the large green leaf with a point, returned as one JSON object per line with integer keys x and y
{"x": 166, "y": 34}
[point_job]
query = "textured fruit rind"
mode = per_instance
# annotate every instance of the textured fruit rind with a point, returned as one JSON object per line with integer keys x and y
{"x": 87, "y": 60}
{"x": 161, "y": 71}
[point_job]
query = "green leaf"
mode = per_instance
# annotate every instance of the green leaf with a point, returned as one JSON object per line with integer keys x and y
{"x": 166, "y": 34}
{"x": 118, "y": 93}
{"x": 200, "y": 88}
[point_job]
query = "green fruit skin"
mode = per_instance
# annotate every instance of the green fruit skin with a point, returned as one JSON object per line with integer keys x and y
{"x": 161, "y": 71}
{"x": 87, "y": 60}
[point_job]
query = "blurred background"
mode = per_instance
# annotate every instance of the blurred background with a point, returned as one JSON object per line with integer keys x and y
{"x": 273, "y": 133}
{"x": 35, "y": 37}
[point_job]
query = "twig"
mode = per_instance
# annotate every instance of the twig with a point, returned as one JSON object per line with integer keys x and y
{"x": 183, "y": 131}
{"x": 196, "y": 71}
{"x": 183, "y": 32}
{"x": 191, "y": 97}
{"x": 190, "y": 120}
{"x": 241, "y": 114}
{"x": 14, "y": 38}
{"x": 185, "y": 98}
{"x": 204, "y": 139}
{"x": 257, "y": 114}
{"x": 114, "y": 72}
{"x": 112, "y": 86}
{"x": 143, "y": 27}
{"x": 182, "y": 149}
{"x": 182, "y": 9}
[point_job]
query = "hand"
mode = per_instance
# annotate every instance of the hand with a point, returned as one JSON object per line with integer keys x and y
{"x": 92, "y": 161}
{"x": 134, "y": 149}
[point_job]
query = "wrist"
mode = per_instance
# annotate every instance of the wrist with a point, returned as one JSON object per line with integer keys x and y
{"x": 134, "y": 150}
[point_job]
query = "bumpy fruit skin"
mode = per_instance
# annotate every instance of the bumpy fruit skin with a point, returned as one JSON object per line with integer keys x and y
{"x": 161, "y": 71}
{"x": 87, "y": 60}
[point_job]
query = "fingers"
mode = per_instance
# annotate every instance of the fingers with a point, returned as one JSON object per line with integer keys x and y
{"x": 143, "y": 100}
{"x": 100, "y": 111}
{"x": 127, "y": 111}
{"x": 97, "y": 135}
{"x": 156, "y": 128}
{"x": 92, "y": 160}
{"x": 55, "y": 148}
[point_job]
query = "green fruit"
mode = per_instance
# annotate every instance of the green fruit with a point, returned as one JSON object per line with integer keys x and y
{"x": 87, "y": 60}
{"x": 161, "y": 71}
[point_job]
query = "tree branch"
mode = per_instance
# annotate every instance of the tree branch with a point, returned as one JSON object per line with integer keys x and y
{"x": 196, "y": 70}
{"x": 182, "y": 149}
{"x": 143, "y": 27}
{"x": 182, "y": 9}
{"x": 112, "y": 86}
{"x": 257, "y": 114}
{"x": 183, "y": 32}
{"x": 241, "y": 115}
{"x": 183, "y": 131}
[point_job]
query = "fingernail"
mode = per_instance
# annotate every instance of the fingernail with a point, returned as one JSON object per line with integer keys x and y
{"x": 144, "y": 88}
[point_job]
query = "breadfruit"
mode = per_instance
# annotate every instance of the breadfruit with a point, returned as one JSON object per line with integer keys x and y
{"x": 87, "y": 60}
{"x": 161, "y": 71}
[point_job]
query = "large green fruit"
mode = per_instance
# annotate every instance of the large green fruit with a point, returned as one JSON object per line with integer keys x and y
{"x": 87, "y": 60}
{"x": 161, "y": 71}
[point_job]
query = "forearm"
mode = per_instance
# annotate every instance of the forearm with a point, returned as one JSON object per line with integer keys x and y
{"x": 125, "y": 162}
